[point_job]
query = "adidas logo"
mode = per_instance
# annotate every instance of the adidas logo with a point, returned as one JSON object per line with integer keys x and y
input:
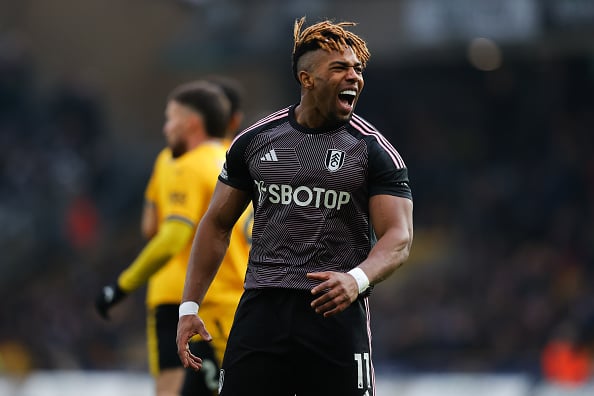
{"x": 270, "y": 156}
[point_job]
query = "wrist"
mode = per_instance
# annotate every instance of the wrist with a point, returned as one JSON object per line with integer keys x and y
{"x": 361, "y": 279}
{"x": 188, "y": 308}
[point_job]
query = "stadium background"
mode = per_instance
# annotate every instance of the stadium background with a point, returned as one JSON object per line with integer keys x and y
{"x": 491, "y": 103}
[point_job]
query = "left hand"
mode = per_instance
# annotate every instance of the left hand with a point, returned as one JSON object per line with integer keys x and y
{"x": 337, "y": 291}
{"x": 107, "y": 297}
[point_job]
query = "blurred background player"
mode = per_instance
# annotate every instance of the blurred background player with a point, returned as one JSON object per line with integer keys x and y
{"x": 177, "y": 195}
{"x": 221, "y": 301}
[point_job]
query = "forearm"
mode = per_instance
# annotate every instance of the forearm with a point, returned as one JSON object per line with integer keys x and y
{"x": 392, "y": 221}
{"x": 212, "y": 239}
{"x": 208, "y": 249}
{"x": 389, "y": 253}
{"x": 170, "y": 240}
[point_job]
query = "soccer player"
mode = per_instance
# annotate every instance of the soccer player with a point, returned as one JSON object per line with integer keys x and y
{"x": 332, "y": 217}
{"x": 234, "y": 91}
{"x": 222, "y": 302}
{"x": 223, "y": 296}
{"x": 178, "y": 193}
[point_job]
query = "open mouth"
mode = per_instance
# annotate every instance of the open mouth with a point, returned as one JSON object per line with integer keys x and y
{"x": 348, "y": 96}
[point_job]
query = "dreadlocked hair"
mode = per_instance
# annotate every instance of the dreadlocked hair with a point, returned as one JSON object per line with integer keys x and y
{"x": 328, "y": 36}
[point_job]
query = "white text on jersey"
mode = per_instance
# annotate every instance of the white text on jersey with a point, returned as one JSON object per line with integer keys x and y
{"x": 285, "y": 194}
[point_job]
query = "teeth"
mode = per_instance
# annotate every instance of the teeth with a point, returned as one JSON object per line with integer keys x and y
{"x": 348, "y": 92}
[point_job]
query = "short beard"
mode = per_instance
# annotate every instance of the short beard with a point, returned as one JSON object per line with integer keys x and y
{"x": 178, "y": 149}
{"x": 338, "y": 121}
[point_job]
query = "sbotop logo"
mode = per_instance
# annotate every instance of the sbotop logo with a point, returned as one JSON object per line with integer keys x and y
{"x": 285, "y": 194}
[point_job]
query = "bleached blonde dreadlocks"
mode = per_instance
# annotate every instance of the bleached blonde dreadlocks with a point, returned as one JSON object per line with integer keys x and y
{"x": 328, "y": 36}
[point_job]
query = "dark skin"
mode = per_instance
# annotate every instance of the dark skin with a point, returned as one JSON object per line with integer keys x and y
{"x": 323, "y": 75}
{"x": 330, "y": 86}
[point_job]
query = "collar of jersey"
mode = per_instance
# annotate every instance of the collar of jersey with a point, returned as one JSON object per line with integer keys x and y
{"x": 310, "y": 131}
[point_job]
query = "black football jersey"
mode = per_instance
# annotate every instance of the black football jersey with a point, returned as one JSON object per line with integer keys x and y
{"x": 310, "y": 190}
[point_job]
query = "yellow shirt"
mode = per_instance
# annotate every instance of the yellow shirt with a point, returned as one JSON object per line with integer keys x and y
{"x": 181, "y": 189}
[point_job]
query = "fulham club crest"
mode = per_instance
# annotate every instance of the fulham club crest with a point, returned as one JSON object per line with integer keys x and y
{"x": 334, "y": 160}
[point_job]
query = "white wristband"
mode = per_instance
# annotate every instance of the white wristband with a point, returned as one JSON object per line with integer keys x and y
{"x": 188, "y": 308}
{"x": 360, "y": 277}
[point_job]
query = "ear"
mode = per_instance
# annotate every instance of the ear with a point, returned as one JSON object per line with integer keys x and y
{"x": 191, "y": 120}
{"x": 306, "y": 79}
{"x": 195, "y": 122}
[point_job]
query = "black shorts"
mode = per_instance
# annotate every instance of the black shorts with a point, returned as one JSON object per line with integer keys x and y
{"x": 279, "y": 346}
{"x": 162, "y": 332}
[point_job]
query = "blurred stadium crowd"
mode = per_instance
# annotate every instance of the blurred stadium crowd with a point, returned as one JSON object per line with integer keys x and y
{"x": 503, "y": 179}
{"x": 62, "y": 198}
{"x": 503, "y": 176}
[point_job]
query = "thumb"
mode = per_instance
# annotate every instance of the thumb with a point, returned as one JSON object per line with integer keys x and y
{"x": 205, "y": 334}
{"x": 198, "y": 327}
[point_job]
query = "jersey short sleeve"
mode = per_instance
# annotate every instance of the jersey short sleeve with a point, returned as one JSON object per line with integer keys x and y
{"x": 387, "y": 172}
{"x": 235, "y": 172}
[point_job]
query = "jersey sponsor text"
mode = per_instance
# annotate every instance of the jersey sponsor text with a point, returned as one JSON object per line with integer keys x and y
{"x": 285, "y": 194}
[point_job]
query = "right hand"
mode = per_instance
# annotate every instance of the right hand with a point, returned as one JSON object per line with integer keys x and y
{"x": 335, "y": 293}
{"x": 187, "y": 327}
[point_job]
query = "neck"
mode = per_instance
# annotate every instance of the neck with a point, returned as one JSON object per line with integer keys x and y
{"x": 308, "y": 116}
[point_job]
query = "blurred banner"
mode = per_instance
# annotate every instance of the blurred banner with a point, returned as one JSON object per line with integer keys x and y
{"x": 436, "y": 21}
{"x": 62, "y": 383}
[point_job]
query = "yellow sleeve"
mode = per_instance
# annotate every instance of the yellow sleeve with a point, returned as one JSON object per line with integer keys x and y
{"x": 172, "y": 237}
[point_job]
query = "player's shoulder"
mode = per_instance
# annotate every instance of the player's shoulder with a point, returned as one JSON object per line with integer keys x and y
{"x": 365, "y": 130}
{"x": 263, "y": 124}
{"x": 205, "y": 157}
{"x": 163, "y": 155}
{"x": 210, "y": 149}
{"x": 378, "y": 144}
{"x": 363, "y": 127}
{"x": 162, "y": 159}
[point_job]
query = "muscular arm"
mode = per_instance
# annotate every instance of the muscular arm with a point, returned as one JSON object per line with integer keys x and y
{"x": 208, "y": 249}
{"x": 391, "y": 218}
{"x": 172, "y": 237}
